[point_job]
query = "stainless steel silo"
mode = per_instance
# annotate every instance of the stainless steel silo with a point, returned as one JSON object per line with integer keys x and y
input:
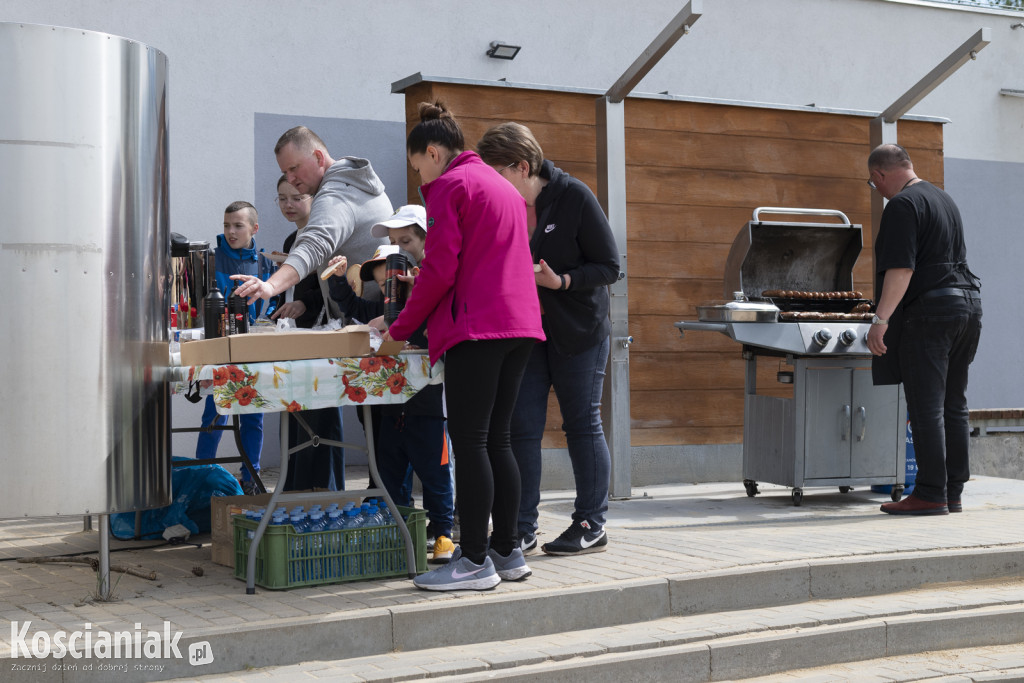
{"x": 84, "y": 268}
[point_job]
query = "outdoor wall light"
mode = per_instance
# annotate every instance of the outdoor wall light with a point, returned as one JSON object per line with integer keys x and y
{"x": 500, "y": 50}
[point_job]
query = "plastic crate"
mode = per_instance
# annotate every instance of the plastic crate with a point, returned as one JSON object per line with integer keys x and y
{"x": 286, "y": 559}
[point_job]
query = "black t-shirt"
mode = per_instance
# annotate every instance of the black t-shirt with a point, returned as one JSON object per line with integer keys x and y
{"x": 921, "y": 229}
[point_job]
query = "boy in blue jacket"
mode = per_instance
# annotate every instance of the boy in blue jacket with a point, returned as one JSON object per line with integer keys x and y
{"x": 236, "y": 255}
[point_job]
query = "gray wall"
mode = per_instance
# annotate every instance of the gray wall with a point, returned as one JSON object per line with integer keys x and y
{"x": 990, "y": 195}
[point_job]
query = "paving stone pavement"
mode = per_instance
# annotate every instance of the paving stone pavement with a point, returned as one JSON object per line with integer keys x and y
{"x": 689, "y": 531}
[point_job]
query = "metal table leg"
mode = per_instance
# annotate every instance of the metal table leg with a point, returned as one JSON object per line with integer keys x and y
{"x": 104, "y": 578}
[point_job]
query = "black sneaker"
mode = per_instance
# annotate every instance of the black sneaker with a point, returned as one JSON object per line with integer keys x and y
{"x": 579, "y": 538}
{"x": 528, "y": 543}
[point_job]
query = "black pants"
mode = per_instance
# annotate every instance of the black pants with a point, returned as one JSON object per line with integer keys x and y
{"x": 481, "y": 381}
{"x": 940, "y": 338}
{"x": 320, "y": 467}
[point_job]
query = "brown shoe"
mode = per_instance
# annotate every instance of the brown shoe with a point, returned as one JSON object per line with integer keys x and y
{"x": 954, "y": 506}
{"x": 912, "y": 505}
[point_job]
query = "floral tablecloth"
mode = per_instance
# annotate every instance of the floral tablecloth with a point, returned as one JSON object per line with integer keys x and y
{"x": 291, "y": 386}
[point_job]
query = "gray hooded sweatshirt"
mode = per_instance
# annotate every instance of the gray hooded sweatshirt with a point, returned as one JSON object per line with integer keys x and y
{"x": 351, "y": 199}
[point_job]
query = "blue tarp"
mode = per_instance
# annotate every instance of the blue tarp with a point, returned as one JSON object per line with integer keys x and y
{"x": 193, "y": 487}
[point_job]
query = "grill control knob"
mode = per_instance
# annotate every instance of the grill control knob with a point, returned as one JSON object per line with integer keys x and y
{"x": 822, "y": 336}
{"x": 848, "y": 337}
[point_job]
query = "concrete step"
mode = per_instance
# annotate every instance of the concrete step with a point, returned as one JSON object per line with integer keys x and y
{"x": 1003, "y": 663}
{"x": 778, "y": 636}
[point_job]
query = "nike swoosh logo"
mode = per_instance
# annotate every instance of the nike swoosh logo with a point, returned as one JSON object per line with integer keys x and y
{"x": 586, "y": 544}
{"x": 550, "y": 227}
{"x": 456, "y": 574}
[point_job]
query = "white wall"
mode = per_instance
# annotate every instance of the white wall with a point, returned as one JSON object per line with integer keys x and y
{"x": 233, "y": 58}
{"x": 232, "y": 61}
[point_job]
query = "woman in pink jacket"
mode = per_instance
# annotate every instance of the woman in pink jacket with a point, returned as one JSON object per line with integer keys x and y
{"x": 476, "y": 291}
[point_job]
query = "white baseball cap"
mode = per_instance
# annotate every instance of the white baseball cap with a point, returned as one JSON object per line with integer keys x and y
{"x": 410, "y": 214}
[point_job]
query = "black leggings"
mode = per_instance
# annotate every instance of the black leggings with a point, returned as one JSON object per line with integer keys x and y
{"x": 481, "y": 380}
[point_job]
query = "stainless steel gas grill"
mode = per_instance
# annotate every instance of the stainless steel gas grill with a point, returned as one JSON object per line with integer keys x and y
{"x": 791, "y": 286}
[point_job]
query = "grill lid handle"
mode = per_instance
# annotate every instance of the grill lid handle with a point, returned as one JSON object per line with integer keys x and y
{"x": 800, "y": 212}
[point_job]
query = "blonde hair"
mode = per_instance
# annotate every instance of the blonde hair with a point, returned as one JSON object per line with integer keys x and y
{"x": 303, "y": 138}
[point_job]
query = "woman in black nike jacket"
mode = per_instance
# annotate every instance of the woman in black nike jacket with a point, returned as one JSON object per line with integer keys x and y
{"x": 576, "y": 259}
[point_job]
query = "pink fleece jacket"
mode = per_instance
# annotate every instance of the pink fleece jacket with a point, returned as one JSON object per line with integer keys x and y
{"x": 476, "y": 280}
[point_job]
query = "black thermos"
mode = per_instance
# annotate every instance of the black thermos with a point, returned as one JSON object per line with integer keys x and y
{"x": 213, "y": 313}
{"x": 238, "y": 314}
{"x": 394, "y": 289}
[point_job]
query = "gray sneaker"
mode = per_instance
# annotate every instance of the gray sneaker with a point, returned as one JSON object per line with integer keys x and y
{"x": 460, "y": 575}
{"x": 511, "y": 568}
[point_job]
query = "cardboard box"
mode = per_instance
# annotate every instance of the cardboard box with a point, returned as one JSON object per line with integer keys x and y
{"x": 353, "y": 340}
{"x": 222, "y": 507}
{"x": 205, "y": 352}
{"x": 391, "y": 348}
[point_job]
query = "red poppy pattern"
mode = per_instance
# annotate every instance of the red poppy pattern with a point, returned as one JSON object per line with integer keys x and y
{"x": 376, "y": 376}
{"x": 233, "y": 385}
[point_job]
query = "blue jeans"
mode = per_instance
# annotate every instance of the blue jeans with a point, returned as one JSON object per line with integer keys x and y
{"x": 417, "y": 440}
{"x": 250, "y": 427}
{"x": 940, "y": 338}
{"x": 578, "y": 381}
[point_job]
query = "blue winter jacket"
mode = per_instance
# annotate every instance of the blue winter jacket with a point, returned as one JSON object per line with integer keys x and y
{"x": 247, "y": 261}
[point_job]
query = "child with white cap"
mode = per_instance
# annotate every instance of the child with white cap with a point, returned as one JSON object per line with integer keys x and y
{"x": 407, "y": 229}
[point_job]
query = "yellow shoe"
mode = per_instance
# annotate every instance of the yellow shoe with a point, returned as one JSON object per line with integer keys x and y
{"x": 443, "y": 549}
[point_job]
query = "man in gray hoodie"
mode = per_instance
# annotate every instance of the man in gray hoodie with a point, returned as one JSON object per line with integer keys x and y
{"x": 348, "y": 199}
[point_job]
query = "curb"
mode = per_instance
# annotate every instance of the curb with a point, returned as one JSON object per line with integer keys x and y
{"x": 747, "y": 656}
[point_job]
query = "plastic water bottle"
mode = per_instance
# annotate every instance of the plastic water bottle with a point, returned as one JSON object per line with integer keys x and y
{"x": 317, "y": 565}
{"x": 298, "y": 551}
{"x": 353, "y": 565}
{"x": 373, "y": 523}
{"x": 391, "y": 535}
{"x": 332, "y": 543}
{"x": 391, "y": 542}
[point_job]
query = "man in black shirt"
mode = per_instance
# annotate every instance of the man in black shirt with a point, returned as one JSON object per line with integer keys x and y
{"x": 923, "y": 284}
